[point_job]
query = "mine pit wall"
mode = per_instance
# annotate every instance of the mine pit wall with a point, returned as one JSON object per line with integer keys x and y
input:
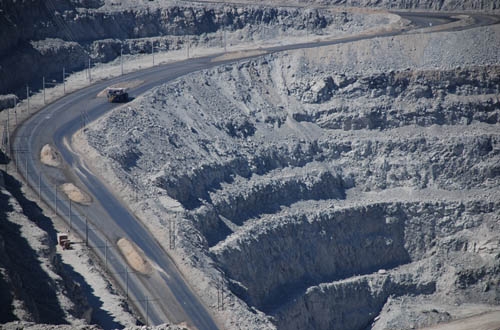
{"x": 422, "y": 4}
{"x": 280, "y": 261}
{"x": 444, "y": 97}
{"x": 451, "y": 161}
{"x": 64, "y": 34}
{"x": 450, "y": 164}
{"x": 275, "y": 191}
{"x": 188, "y": 188}
{"x": 32, "y": 276}
{"x": 346, "y": 305}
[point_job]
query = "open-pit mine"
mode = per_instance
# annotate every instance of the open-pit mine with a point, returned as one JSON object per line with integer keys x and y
{"x": 345, "y": 186}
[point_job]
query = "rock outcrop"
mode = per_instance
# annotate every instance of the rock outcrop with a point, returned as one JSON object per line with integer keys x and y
{"x": 39, "y": 38}
{"x": 308, "y": 182}
{"x": 33, "y": 280}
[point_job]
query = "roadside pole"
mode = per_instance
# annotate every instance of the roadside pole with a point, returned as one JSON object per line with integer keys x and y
{"x": 126, "y": 281}
{"x": 90, "y": 77}
{"x": 45, "y": 83}
{"x": 86, "y": 232}
{"x": 15, "y": 108}
{"x": 153, "y": 51}
{"x": 40, "y": 186}
{"x": 28, "y": 97}
{"x": 147, "y": 314}
{"x": 55, "y": 200}
{"x": 70, "y": 222}
{"x": 121, "y": 59}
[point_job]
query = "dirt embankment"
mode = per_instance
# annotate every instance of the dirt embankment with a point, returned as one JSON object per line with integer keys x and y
{"x": 76, "y": 194}
{"x": 135, "y": 256}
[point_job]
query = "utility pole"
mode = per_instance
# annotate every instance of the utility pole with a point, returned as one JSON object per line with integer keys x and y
{"x": 86, "y": 232}
{"x": 225, "y": 40}
{"x": 55, "y": 200}
{"x": 15, "y": 108}
{"x": 5, "y": 140}
{"x": 64, "y": 81}
{"x": 106, "y": 253}
{"x": 153, "y": 51}
{"x": 188, "y": 43}
{"x": 16, "y": 157}
{"x": 147, "y": 314}
{"x": 121, "y": 59}
{"x": 126, "y": 281}
{"x": 90, "y": 77}
{"x": 70, "y": 222}
{"x": 28, "y": 97}
{"x": 40, "y": 186}
{"x": 43, "y": 84}
{"x": 26, "y": 169}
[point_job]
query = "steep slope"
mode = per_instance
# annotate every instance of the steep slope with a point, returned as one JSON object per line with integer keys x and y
{"x": 357, "y": 172}
{"x": 35, "y": 283}
{"x": 40, "y": 38}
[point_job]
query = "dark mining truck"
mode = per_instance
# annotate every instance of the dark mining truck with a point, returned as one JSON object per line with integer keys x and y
{"x": 117, "y": 95}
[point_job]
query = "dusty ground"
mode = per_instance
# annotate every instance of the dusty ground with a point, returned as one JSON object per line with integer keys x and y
{"x": 76, "y": 194}
{"x": 134, "y": 256}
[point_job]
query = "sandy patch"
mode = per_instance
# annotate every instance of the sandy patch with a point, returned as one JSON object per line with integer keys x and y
{"x": 239, "y": 54}
{"x": 135, "y": 256}
{"x": 75, "y": 194}
{"x": 50, "y": 156}
{"x": 126, "y": 84}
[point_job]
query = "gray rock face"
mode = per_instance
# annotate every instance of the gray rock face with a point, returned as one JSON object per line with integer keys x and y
{"x": 348, "y": 304}
{"x": 345, "y": 243}
{"x": 307, "y": 185}
{"x": 444, "y": 5}
{"x": 38, "y": 38}
{"x": 33, "y": 278}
